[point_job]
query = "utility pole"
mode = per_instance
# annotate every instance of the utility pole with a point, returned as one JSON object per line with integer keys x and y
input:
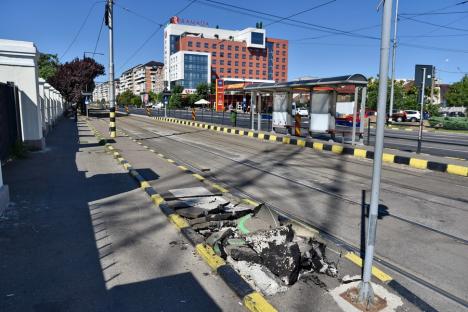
{"x": 432, "y": 84}
{"x": 422, "y": 111}
{"x": 366, "y": 293}
{"x": 110, "y": 24}
{"x": 392, "y": 89}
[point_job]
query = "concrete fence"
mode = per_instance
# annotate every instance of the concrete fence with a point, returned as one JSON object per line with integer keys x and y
{"x": 40, "y": 105}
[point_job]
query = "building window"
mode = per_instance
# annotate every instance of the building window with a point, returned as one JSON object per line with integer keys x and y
{"x": 213, "y": 46}
{"x": 213, "y": 53}
{"x": 251, "y": 72}
{"x": 284, "y": 46}
{"x": 197, "y": 44}
{"x": 283, "y": 67}
{"x": 243, "y": 56}
{"x": 277, "y": 66}
{"x": 228, "y": 70}
{"x": 221, "y": 54}
{"x": 229, "y": 63}
{"x": 264, "y": 65}
{"x": 264, "y": 73}
{"x": 243, "y": 71}
{"x": 229, "y": 47}
{"x": 236, "y": 56}
{"x": 221, "y": 70}
{"x": 250, "y": 56}
{"x": 256, "y": 38}
{"x": 277, "y": 59}
{"x": 236, "y": 71}
{"x": 284, "y": 53}
{"x": 236, "y": 63}
{"x": 236, "y": 48}
{"x": 221, "y": 46}
{"x": 195, "y": 70}
{"x": 190, "y": 44}
{"x": 250, "y": 64}
{"x": 258, "y": 73}
{"x": 206, "y": 45}
{"x": 284, "y": 60}
{"x": 277, "y": 52}
{"x": 229, "y": 55}
{"x": 243, "y": 49}
{"x": 243, "y": 64}
{"x": 257, "y": 65}
{"x": 213, "y": 62}
{"x": 277, "y": 45}
{"x": 221, "y": 62}
{"x": 257, "y": 58}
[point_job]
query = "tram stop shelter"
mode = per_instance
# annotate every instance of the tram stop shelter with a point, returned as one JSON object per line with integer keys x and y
{"x": 322, "y": 104}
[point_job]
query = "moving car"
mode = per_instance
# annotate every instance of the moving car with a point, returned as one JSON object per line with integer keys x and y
{"x": 413, "y": 115}
{"x": 456, "y": 114}
{"x": 157, "y": 106}
{"x": 398, "y": 115}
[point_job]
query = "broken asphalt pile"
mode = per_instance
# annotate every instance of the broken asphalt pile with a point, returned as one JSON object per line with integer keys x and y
{"x": 267, "y": 253}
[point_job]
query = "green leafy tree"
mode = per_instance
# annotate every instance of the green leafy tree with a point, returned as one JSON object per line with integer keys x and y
{"x": 177, "y": 89}
{"x": 159, "y": 97}
{"x": 125, "y": 98}
{"x": 136, "y": 100}
{"x": 152, "y": 97}
{"x": 48, "y": 64}
{"x": 192, "y": 98}
{"x": 175, "y": 101}
{"x": 457, "y": 94}
{"x": 203, "y": 91}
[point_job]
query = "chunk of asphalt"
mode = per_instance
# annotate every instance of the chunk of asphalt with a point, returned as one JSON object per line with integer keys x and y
{"x": 284, "y": 261}
{"x": 315, "y": 259}
{"x": 244, "y": 253}
{"x": 219, "y": 236}
{"x": 218, "y": 217}
{"x": 269, "y": 238}
{"x": 191, "y": 212}
{"x": 213, "y": 225}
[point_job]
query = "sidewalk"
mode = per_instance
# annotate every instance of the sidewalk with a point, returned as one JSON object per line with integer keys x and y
{"x": 81, "y": 236}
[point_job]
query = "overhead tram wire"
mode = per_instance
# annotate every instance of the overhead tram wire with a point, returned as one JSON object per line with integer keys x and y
{"x": 433, "y": 24}
{"x": 434, "y": 13}
{"x": 326, "y": 29}
{"x": 81, "y": 28}
{"x": 99, "y": 37}
{"x": 153, "y": 34}
{"x": 301, "y": 12}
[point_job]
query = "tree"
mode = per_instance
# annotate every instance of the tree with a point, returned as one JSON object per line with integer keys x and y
{"x": 48, "y": 64}
{"x": 175, "y": 101}
{"x": 152, "y": 97}
{"x": 457, "y": 94}
{"x": 71, "y": 78}
{"x": 192, "y": 98}
{"x": 177, "y": 89}
{"x": 136, "y": 100}
{"x": 125, "y": 98}
{"x": 203, "y": 91}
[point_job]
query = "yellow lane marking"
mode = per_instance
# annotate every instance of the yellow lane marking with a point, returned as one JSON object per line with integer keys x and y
{"x": 255, "y": 302}
{"x": 183, "y": 168}
{"x": 209, "y": 256}
{"x": 219, "y": 188}
{"x": 250, "y": 202}
{"x": 127, "y": 166}
{"x": 170, "y": 160}
{"x": 384, "y": 277}
{"x": 178, "y": 221}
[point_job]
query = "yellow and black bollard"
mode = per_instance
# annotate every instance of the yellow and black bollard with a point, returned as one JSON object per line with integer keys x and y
{"x": 126, "y": 109}
{"x": 297, "y": 126}
{"x": 193, "y": 113}
{"x": 112, "y": 128}
{"x": 148, "y": 111}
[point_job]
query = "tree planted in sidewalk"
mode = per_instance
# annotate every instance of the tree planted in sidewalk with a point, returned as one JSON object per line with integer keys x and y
{"x": 72, "y": 78}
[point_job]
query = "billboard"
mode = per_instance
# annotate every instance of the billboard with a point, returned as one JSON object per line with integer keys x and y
{"x": 219, "y": 95}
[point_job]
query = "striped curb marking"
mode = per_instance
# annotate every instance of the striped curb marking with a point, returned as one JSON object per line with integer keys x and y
{"x": 379, "y": 274}
{"x": 334, "y": 148}
{"x": 252, "y": 300}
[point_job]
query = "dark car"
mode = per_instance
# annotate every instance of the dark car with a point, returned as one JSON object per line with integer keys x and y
{"x": 398, "y": 115}
{"x": 456, "y": 114}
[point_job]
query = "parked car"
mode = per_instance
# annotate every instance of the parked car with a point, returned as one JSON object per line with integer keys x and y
{"x": 398, "y": 115}
{"x": 157, "y": 106}
{"x": 302, "y": 111}
{"x": 456, "y": 114}
{"x": 413, "y": 115}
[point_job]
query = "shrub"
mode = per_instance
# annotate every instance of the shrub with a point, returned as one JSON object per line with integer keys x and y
{"x": 449, "y": 123}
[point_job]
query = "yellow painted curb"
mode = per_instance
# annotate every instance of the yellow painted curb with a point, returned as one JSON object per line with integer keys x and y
{"x": 170, "y": 160}
{"x": 261, "y": 136}
{"x": 389, "y": 158}
{"x": 209, "y": 256}
{"x": 144, "y": 184}
{"x": 318, "y": 146}
{"x": 272, "y": 137}
{"x": 241, "y": 132}
{"x": 178, "y": 221}
{"x": 301, "y": 143}
{"x": 250, "y": 202}
{"x": 286, "y": 140}
{"x": 219, "y": 188}
{"x": 152, "y": 150}
{"x": 384, "y": 277}
{"x": 183, "y": 168}
{"x": 116, "y": 154}
{"x": 225, "y": 130}
{"x": 337, "y": 149}
{"x": 127, "y": 166}
{"x": 418, "y": 163}
{"x": 157, "y": 199}
{"x": 199, "y": 177}
{"x": 255, "y": 302}
{"x": 360, "y": 153}
{"x": 251, "y": 134}
{"x": 458, "y": 170}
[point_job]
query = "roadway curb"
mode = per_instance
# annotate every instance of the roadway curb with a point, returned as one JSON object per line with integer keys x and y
{"x": 334, "y": 148}
{"x": 251, "y": 299}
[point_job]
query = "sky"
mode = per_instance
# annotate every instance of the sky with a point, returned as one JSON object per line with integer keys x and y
{"x": 317, "y": 45}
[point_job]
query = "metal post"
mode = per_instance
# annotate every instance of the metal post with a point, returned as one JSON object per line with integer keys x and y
{"x": 432, "y": 85}
{"x": 392, "y": 89}
{"x": 366, "y": 294}
{"x": 259, "y": 113}
{"x": 356, "y": 98}
{"x": 362, "y": 115}
{"x": 253, "y": 103}
{"x": 112, "y": 125}
{"x": 368, "y": 131}
{"x": 422, "y": 112}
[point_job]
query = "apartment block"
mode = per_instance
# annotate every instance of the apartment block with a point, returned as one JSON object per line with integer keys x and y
{"x": 143, "y": 78}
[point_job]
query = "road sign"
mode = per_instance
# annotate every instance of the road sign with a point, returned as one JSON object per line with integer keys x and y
{"x": 418, "y": 75}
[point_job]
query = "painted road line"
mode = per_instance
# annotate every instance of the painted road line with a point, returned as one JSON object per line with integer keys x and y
{"x": 219, "y": 188}
{"x": 152, "y": 150}
{"x": 199, "y": 177}
{"x": 170, "y": 160}
{"x": 183, "y": 168}
{"x": 250, "y": 202}
{"x": 382, "y": 276}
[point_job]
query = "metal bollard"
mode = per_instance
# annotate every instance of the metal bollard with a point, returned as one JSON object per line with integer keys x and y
{"x": 297, "y": 126}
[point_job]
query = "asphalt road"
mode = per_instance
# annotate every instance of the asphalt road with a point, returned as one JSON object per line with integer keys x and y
{"x": 438, "y": 144}
{"x": 423, "y": 227}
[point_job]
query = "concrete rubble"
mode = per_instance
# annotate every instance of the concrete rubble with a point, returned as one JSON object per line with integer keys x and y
{"x": 269, "y": 256}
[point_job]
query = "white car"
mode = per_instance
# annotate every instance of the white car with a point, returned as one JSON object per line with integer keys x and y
{"x": 157, "y": 106}
{"x": 302, "y": 111}
{"x": 412, "y": 115}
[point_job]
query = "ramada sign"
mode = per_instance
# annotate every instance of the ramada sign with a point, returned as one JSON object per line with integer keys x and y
{"x": 187, "y": 21}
